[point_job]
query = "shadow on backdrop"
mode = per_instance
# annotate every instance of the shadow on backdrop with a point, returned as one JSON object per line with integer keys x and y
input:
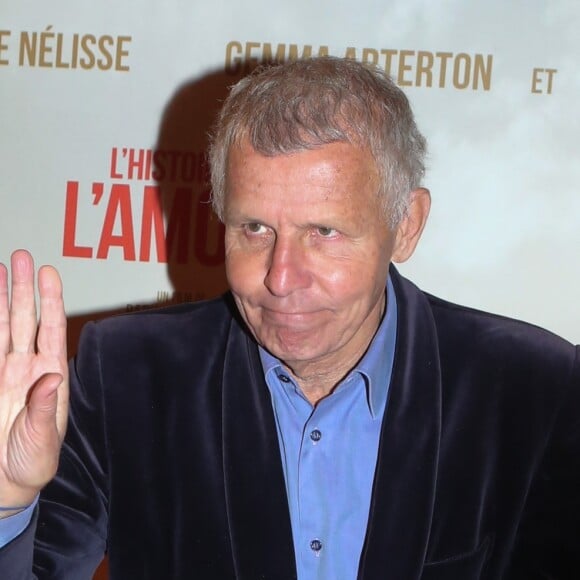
{"x": 184, "y": 229}
{"x": 184, "y": 232}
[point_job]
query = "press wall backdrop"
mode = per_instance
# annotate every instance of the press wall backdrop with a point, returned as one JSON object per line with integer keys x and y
{"x": 105, "y": 109}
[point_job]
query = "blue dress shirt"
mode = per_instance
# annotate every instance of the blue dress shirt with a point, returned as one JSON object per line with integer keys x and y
{"x": 13, "y": 526}
{"x": 329, "y": 454}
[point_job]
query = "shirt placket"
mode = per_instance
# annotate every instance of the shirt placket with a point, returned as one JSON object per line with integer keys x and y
{"x": 311, "y": 493}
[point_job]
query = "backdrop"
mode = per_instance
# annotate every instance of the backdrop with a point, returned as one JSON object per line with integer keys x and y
{"x": 105, "y": 109}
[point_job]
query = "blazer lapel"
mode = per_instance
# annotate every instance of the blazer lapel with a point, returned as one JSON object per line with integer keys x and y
{"x": 257, "y": 505}
{"x": 404, "y": 487}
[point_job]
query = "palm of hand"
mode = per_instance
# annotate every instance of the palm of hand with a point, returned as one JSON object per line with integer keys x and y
{"x": 33, "y": 380}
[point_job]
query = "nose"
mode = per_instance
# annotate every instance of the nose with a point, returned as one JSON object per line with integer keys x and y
{"x": 287, "y": 268}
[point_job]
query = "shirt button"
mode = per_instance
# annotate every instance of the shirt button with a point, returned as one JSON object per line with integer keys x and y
{"x": 284, "y": 378}
{"x": 316, "y": 545}
{"x": 315, "y": 435}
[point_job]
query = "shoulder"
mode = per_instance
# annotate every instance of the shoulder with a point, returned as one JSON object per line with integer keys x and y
{"x": 477, "y": 331}
{"x": 503, "y": 355}
{"x": 489, "y": 332}
{"x": 203, "y": 325}
{"x": 489, "y": 348}
{"x": 202, "y": 311}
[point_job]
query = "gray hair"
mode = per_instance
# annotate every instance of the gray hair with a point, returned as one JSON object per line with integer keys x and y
{"x": 305, "y": 104}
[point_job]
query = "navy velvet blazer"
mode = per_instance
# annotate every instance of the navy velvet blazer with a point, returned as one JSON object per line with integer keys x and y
{"x": 171, "y": 462}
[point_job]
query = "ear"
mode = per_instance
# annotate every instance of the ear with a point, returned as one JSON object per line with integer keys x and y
{"x": 411, "y": 227}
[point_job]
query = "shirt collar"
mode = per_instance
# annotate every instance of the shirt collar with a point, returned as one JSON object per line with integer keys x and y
{"x": 375, "y": 366}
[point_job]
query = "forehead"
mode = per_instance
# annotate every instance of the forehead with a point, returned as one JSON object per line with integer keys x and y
{"x": 337, "y": 172}
{"x": 333, "y": 186}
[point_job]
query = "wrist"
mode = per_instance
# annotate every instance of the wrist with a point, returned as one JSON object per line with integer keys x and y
{"x": 13, "y": 501}
{"x": 14, "y": 498}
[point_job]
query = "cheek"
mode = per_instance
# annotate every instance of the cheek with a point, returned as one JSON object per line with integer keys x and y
{"x": 359, "y": 284}
{"x": 244, "y": 274}
{"x": 354, "y": 294}
{"x": 350, "y": 271}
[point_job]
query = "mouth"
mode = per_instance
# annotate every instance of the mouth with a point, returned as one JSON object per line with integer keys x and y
{"x": 288, "y": 318}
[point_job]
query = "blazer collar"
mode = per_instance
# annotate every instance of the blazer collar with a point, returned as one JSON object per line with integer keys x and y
{"x": 404, "y": 487}
{"x": 256, "y": 502}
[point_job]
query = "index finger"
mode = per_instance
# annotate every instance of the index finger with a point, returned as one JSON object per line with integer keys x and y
{"x": 22, "y": 304}
{"x": 51, "y": 338}
{"x": 4, "y": 315}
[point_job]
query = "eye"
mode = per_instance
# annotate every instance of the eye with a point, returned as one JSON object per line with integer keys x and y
{"x": 255, "y": 228}
{"x": 326, "y": 232}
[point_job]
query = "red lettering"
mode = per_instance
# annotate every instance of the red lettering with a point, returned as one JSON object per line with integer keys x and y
{"x": 159, "y": 166}
{"x": 69, "y": 247}
{"x": 148, "y": 163}
{"x": 135, "y": 165}
{"x": 152, "y": 219}
{"x": 114, "y": 173}
{"x": 119, "y": 203}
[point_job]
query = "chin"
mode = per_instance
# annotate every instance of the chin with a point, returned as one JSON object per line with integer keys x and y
{"x": 295, "y": 348}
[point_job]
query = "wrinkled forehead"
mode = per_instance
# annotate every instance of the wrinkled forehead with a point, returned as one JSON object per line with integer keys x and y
{"x": 243, "y": 147}
{"x": 323, "y": 172}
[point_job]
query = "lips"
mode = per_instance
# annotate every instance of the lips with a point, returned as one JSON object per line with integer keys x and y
{"x": 287, "y": 318}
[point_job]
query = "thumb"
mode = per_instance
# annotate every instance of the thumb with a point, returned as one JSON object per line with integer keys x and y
{"x": 42, "y": 401}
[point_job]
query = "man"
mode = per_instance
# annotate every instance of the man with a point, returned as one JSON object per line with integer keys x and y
{"x": 327, "y": 420}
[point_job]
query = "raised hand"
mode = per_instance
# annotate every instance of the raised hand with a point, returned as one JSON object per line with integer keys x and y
{"x": 33, "y": 381}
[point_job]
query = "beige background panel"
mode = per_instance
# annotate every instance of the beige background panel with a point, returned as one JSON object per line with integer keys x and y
{"x": 504, "y": 233}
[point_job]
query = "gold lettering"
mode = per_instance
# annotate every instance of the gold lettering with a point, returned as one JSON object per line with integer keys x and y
{"x": 403, "y": 68}
{"x": 75, "y": 51}
{"x": 443, "y": 57}
{"x": 536, "y": 80}
{"x": 44, "y": 49}
{"x": 27, "y": 49}
{"x": 424, "y": 66}
{"x": 482, "y": 70}
{"x": 293, "y": 52}
{"x": 539, "y": 76}
{"x": 551, "y": 72}
{"x": 48, "y": 49}
{"x": 280, "y": 53}
{"x": 3, "y": 46}
{"x": 409, "y": 68}
{"x": 121, "y": 53}
{"x": 233, "y": 62}
{"x": 106, "y": 62}
{"x": 388, "y": 53}
{"x": 251, "y": 62}
{"x": 458, "y": 82}
{"x": 86, "y": 41}
{"x": 60, "y": 63}
{"x": 370, "y": 55}
{"x": 350, "y": 53}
